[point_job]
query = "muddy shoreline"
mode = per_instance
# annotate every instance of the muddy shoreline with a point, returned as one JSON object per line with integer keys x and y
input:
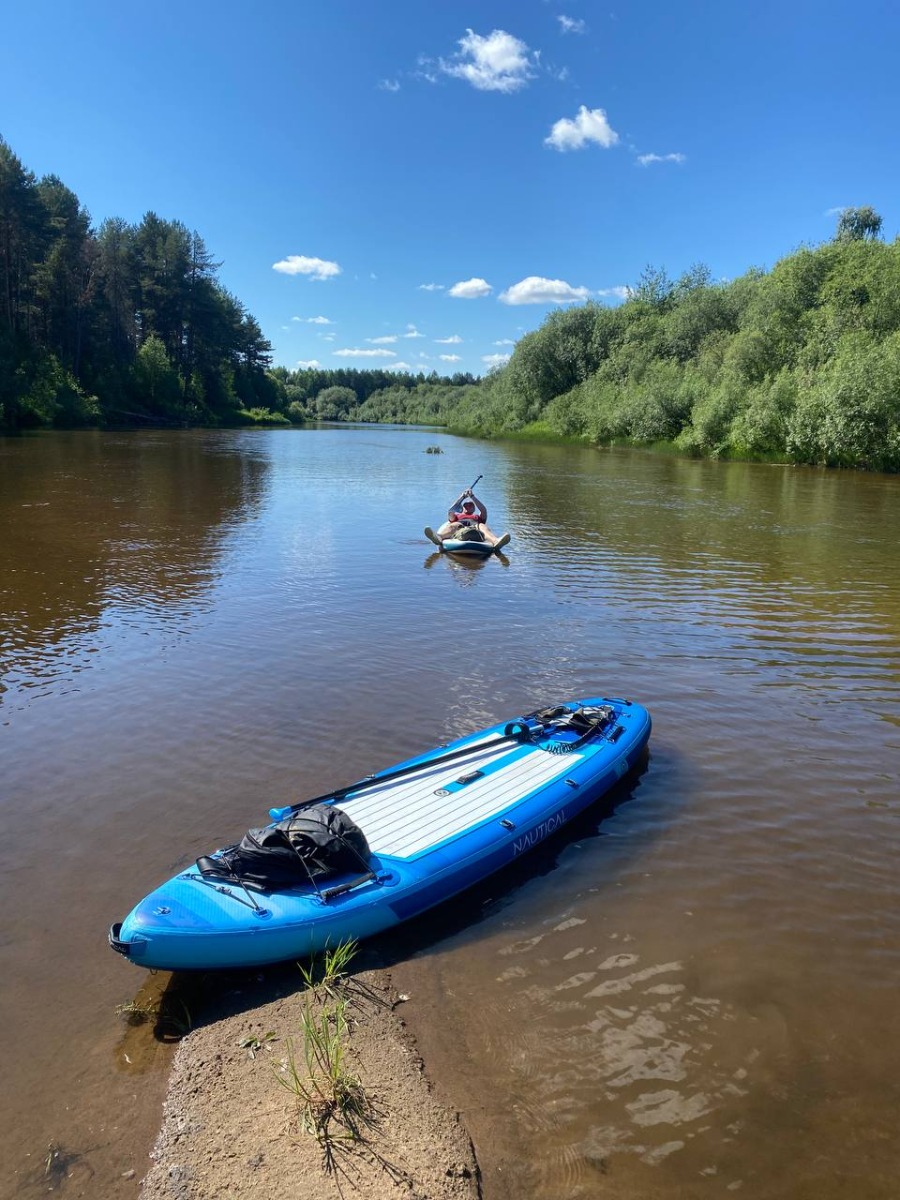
{"x": 230, "y": 1129}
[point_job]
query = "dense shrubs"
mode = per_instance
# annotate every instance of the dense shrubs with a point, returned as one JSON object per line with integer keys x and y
{"x": 801, "y": 363}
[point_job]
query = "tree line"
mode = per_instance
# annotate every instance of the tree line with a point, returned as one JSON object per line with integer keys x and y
{"x": 797, "y": 364}
{"x": 128, "y": 324}
{"x": 122, "y": 324}
{"x": 375, "y": 395}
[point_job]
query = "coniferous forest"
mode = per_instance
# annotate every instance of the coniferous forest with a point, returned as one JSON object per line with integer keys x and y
{"x": 128, "y": 325}
{"x": 122, "y": 324}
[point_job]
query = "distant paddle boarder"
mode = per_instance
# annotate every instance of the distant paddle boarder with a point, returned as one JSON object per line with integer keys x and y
{"x": 467, "y": 513}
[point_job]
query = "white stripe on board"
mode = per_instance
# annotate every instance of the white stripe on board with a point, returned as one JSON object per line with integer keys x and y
{"x": 405, "y": 818}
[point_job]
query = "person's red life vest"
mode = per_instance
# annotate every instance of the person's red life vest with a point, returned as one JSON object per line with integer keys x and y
{"x": 468, "y": 518}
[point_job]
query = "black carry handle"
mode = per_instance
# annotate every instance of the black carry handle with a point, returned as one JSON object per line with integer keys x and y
{"x": 515, "y": 731}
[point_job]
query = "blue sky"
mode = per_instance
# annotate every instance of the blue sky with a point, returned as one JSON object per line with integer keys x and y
{"x": 419, "y": 183}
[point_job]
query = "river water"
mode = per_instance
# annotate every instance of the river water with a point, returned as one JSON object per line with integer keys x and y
{"x": 691, "y": 992}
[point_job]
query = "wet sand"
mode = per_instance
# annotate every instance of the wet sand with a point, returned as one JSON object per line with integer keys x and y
{"x": 229, "y": 1129}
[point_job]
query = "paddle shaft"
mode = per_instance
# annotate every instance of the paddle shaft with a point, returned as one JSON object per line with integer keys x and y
{"x": 376, "y": 780}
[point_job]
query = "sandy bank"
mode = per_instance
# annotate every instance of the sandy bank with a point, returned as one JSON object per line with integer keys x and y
{"x": 231, "y": 1131}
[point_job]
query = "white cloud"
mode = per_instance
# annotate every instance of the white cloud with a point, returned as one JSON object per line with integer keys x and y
{"x": 431, "y": 287}
{"x": 453, "y": 340}
{"x": 449, "y": 357}
{"x": 646, "y": 159}
{"x": 470, "y": 289}
{"x": 389, "y": 85}
{"x": 618, "y": 293}
{"x": 299, "y": 264}
{"x": 309, "y": 362}
{"x": 412, "y": 332}
{"x": 353, "y": 352}
{"x": 571, "y": 25}
{"x": 590, "y": 125}
{"x": 388, "y": 340}
{"x": 496, "y": 63}
{"x": 425, "y": 69}
{"x": 535, "y": 290}
{"x": 495, "y": 360}
{"x": 504, "y": 342}
{"x": 313, "y": 320}
{"x": 398, "y": 366}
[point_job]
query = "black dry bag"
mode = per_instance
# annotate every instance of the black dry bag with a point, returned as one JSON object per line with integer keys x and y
{"x": 314, "y": 843}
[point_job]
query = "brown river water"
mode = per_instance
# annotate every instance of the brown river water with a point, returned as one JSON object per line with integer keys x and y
{"x": 692, "y": 991}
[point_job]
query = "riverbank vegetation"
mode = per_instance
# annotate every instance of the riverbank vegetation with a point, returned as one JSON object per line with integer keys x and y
{"x": 122, "y": 324}
{"x": 798, "y": 364}
{"x": 128, "y": 324}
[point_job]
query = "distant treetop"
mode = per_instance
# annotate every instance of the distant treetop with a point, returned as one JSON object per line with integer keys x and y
{"x": 856, "y": 224}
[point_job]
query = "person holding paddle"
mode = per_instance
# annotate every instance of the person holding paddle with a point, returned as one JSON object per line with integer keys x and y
{"x": 466, "y": 512}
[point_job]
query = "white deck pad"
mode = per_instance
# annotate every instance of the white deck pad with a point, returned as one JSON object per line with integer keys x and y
{"x": 405, "y": 817}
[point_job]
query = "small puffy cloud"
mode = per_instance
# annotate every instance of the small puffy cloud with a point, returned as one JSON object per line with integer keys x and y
{"x": 389, "y": 85}
{"x": 412, "y": 332}
{"x": 571, "y": 25}
{"x": 307, "y": 363}
{"x": 504, "y": 342}
{"x": 387, "y": 340}
{"x": 495, "y": 360}
{"x": 617, "y": 293}
{"x": 431, "y": 287}
{"x": 354, "y": 352}
{"x": 590, "y": 125}
{"x": 299, "y": 264}
{"x": 496, "y": 63}
{"x": 536, "y": 290}
{"x": 470, "y": 289}
{"x": 313, "y": 320}
{"x": 449, "y": 357}
{"x": 644, "y": 160}
{"x": 453, "y": 340}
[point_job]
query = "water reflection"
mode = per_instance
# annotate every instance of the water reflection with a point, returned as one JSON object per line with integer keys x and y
{"x": 102, "y": 532}
{"x": 463, "y": 568}
{"x": 697, "y": 999}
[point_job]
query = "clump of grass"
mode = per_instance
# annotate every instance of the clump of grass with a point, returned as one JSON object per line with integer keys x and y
{"x": 253, "y": 1044}
{"x": 327, "y": 973}
{"x": 160, "y": 1012}
{"x": 333, "y": 1105}
{"x": 433, "y": 450}
{"x": 136, "y": 1013}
